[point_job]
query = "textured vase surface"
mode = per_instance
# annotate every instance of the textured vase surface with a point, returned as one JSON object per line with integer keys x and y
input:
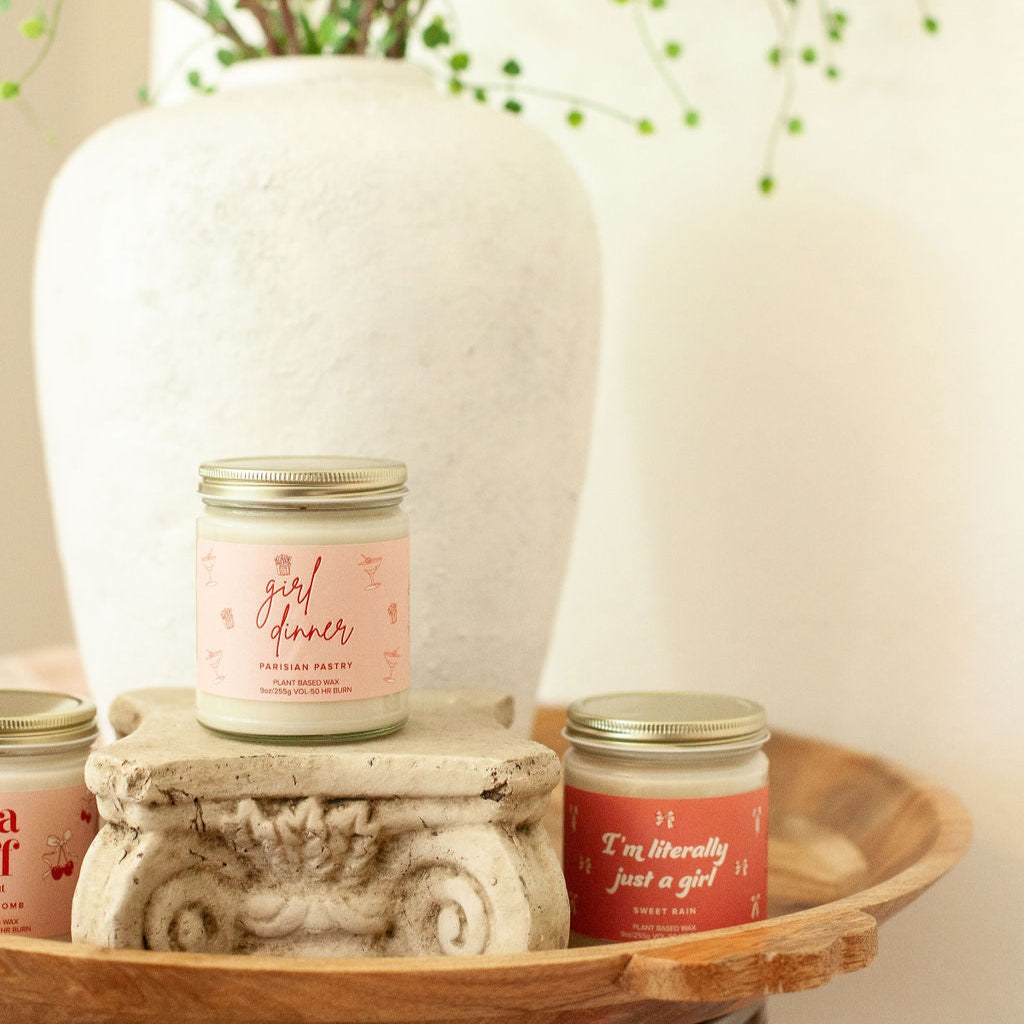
{"x": 325, "y": 257}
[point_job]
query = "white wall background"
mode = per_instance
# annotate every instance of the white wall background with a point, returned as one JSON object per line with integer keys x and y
{"x": 806, "y": 481}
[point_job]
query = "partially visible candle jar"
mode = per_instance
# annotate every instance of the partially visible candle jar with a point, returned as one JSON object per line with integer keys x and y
{"x": 47, "y": 816}
{"x": 666, "y": 815}
{"x": 302, "y": 609}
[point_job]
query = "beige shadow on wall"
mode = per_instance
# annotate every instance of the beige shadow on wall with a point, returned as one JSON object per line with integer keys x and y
{"x": 92, "y": 74}
{"x": 809, "y": 494}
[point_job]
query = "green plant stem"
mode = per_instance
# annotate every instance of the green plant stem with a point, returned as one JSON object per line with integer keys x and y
{"x": 51, "y": 32}
{"x": 778, "y": 18}
{"x": 367, "y": 10}
{"x": 410, "y": 16}
{"x": 657, "y": 59}
{"x": 826, "y": 23}
{"x": 788, "y": 59}
{"x": 223, "y": 27}
{"x": 260, "y": 14}
{"x": 291, "y": 29}
{"x": 556, "y": 96}
{"x": 27, "y": 111}
{"x": 179, "y": 63}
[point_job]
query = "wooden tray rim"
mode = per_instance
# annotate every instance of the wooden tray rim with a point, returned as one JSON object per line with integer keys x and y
{"x": 831, "y": 938}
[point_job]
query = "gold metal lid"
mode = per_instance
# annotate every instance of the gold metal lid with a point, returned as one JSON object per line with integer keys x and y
{"x": 41, "y": 718}
{"x": 666, "y": 720}
{"x": 285, "y": 481}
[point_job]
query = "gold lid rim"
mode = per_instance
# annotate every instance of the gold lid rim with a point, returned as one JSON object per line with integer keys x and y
{"x": 694, "y": 729}
{"x": 45, "y": 727}
{"x": 308, "y": 480}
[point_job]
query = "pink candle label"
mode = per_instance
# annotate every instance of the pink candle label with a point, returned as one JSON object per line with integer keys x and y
{"x": 43, "y": 837}
{"x": 643, "y": 868}
{"x": 302, "y": 622}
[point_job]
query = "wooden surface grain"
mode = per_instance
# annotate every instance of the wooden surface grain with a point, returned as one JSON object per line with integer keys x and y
{"x": 852, "y": 840}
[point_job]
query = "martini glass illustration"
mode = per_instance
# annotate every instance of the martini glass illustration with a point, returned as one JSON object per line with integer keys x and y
{"x": 213, "y": 660}
{"x": 392, "y": 658}
{"x": 370, "y": 566}
{"x": 208, "y": 559}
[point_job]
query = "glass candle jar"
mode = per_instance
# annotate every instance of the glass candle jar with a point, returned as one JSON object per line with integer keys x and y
{"x": 666, "y": 815}
{"x": 47, "y": 816}
{"x": 302, "y": 609}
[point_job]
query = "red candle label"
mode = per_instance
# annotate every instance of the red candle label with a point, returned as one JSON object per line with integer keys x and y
{"x": 302, "y": 622}
{"x": 643, "y": 868}
{"x": 43, "y": 837}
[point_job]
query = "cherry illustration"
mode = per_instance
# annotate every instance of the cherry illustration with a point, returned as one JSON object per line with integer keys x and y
{"x": 56, "y": 873}
{"x": 69, "y": 867}
{"x": 86, "y": 817}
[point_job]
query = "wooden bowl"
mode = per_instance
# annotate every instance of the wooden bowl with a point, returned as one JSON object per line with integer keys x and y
{"x": 852, "y": 840}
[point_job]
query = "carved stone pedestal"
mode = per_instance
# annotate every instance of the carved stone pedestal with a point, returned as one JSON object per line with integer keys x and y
{"x": 427, "y": 841}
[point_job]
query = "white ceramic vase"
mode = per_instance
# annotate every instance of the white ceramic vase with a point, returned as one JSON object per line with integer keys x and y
{"x": 326, "y": 257}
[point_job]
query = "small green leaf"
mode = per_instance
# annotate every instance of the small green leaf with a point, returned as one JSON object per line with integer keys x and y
{"x": 645, "y": 127}
{"x": 514, "y": 106}
{"x": 436, "y": 34}
{"x": 808, "y": 54}
{"x": 794, "y": 126}
{"x": 575, "y": 118}
{"x": 835, "y": 22}
{"x": 350, "y": 11}
{"x": 33, "y": 28}
{"x": 657, "y": 5}
{"x": 214, "y": 11}
{"x": 143, "y": 94}
{"x": 691, "y": 118}
{"x": 227, "y": 57}
{"x": 327, "y": 30}
{"x": 832, "y": 71}
{"x": 673, "y": 50}
{"x": 454, "y": 86}
{"x": 9, "y": 90}
{"x": 480, "y": 94}
{"x": 459, "y": 61}
{"x": 775, "y": 56}
{"x": 767, "y": 185}
{"x": 511, "y": 68}
{"x": 310, "y": 44}
{"x": 931, "y": 25}
{"x": 196, "y": 81}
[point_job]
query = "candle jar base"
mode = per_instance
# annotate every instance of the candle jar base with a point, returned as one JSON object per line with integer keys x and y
{"x": 352, "y": 724}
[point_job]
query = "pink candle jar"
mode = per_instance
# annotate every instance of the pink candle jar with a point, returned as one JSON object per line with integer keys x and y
{"x": 47, "y": 815}
{"x": 302, "y": 597}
